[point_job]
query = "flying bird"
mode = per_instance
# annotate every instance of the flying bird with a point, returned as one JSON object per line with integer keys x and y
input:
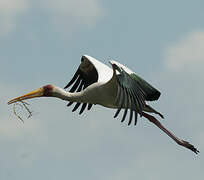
{"x": 117, "y": 87}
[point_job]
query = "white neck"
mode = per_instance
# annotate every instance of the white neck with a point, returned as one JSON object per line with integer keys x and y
{"x": 68, "y": 96}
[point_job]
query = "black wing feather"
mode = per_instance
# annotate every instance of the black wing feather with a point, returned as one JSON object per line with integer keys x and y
{"x": 75, "y": 107}
{"x": 85, "y": 75}
{"x": 90, "y": 106}
{"x": 133, "y": 96}
{"x": 78, "y": 90}
{"x": 135, "y": 104}
{"x": 70, "y": 103}
{"x": 126, "y": 105}
{"x": 132, "y": 108}
{"x": 130, "y": 118}
{"x": 82, "y": 108}
{"x": 73, "y": 79}
{"x": 121, "y": 101}
{"x": 118, "y": 94}
{"x": 75, "y": 86}
{"x": 135, "y": 118}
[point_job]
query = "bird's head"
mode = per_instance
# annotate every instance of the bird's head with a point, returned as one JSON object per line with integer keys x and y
{"x": 45, "y": 91}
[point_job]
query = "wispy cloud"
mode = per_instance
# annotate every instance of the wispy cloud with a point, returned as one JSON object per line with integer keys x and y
{"x": 80, "y": 11}
{"x": 186, "y": 53}
{"x": 66, "y": 14}
{"x": 10, "y": 11}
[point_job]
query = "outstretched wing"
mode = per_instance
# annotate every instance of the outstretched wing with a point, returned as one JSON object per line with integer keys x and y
{"x": 85, "y": 75}
{"x": 132, "y": 92}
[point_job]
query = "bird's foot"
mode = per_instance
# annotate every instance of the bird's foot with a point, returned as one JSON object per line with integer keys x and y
{"x": 189, "y": 146}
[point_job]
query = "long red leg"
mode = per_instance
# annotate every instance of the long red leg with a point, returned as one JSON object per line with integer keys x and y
{"x": 170, "y": 134}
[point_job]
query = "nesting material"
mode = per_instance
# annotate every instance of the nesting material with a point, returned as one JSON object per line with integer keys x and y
{"x": 24, "y": 105}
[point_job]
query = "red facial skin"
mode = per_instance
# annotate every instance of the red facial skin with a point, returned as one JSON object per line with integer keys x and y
{"x": 47, "y": 90}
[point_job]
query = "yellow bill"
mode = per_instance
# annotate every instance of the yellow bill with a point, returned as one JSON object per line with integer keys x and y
{"x": 33, "y": 94}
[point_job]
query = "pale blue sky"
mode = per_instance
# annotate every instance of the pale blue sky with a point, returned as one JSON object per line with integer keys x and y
{"x": 41, "y": 42}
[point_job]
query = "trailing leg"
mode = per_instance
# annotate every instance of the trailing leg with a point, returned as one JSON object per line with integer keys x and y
{"x": 170, "y": 134}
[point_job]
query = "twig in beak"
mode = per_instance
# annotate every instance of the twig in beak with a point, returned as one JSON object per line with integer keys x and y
{"x": 24, "y": 104}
